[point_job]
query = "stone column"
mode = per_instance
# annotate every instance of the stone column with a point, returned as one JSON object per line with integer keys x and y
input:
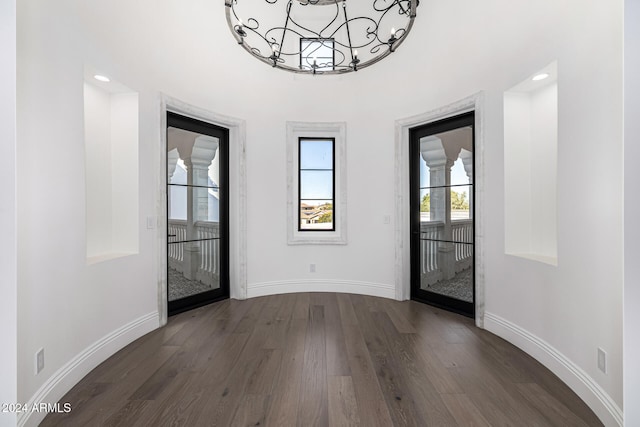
{"x": 467, "y": 161}
{"x": 172, "y": 162}
{"x": 439, "y": 163}
{"x": 197, "y": 165}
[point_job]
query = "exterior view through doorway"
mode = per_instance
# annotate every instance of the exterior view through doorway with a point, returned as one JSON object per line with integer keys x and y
{"x": 197, "y": 213}
{"x": 442, "y": 213}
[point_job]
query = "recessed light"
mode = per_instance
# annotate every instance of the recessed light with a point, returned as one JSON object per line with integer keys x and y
{"x": 540, "y": 76}
{"x": 102, "y": 78}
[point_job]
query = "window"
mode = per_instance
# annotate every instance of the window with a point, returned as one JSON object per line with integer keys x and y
{"x": 317, "y": 53}
{"x": 316, "y": 184}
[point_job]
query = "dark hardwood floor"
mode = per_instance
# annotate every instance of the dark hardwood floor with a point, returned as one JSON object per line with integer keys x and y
{"x": 321, "y": 359}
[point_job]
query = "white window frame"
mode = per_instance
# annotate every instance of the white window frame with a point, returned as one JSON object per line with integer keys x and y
{"x": 338, "y": 131}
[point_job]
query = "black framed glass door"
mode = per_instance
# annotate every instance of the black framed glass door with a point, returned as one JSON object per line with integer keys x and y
{"x": 197, "y": 213}
{"x": 442, "y": 213}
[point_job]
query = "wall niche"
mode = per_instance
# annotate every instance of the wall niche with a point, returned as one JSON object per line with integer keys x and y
{"x": 111, "y": 169}
{"x": 530, "y": 167}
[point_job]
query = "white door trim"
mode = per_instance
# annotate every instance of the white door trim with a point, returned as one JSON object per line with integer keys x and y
{"x": 402, "y": 233}
{"x": 237, "y": 198}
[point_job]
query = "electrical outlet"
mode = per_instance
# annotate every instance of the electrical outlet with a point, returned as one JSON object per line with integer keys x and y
{"x": 602, "y": 360}
{"x": 312, "y": 268}
{"x": 151, "y": 222}
{"x": 39, "y": 361}
{"x": 386, "y": 219}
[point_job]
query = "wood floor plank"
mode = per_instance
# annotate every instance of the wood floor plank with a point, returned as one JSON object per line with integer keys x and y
{"x": 337, "y": 358}
{"x": 400, "y": 321}
{"x": 433, "y": 368}
{"x": 262, "y": 379}
{"x": 283, "y": 408}
{"x": 127, "y": 414}
{"x": 390, "y": 376}
{"x": 373, "y": 410}
{"x": 464, "y": 411}
{"x": 497, "y": 405}
{"x": 413, "y": 374}
{"x": 228, "y": 394}
{"x": 312, "y": 406}
{"x": 301, "y": 308}
{"x": 252, "y": 411}
{"x": 321, "y": 359}
{"x": 347, "y": 315}
{"x": 556, "y": 413}
{"x": 343, "y": 409}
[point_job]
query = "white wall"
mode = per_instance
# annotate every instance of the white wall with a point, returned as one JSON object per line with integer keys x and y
{"x": 78, "y": 313}
{"x": 188, "y": 53}
{"x": 631, "y": 214}
{"x": 8, "y": 258}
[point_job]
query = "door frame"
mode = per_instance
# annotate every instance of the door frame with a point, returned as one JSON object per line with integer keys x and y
{"x": 416, "y": 134}
{"x": 237, "y": 197}
{"x": 190, "y": 302}
{"x": 475, "y": 102}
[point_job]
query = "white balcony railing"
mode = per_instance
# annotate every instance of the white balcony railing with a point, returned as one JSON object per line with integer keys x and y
{"x": 441, "y": 260}
{"x": 198, "y": 260}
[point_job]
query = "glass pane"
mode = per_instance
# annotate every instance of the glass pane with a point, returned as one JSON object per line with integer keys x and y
{"x": 319, "y": 50}
{"x": 425, "y": 205}
{"x": 452, "y": 148}
{"x": 194, "y": 267}
{"x": 462, "y": 230}
{"x": 447, "y": 269}
{"x": 316, "y": 215}
{"x": 205, "y": 204}
{"x": 316, "y": 184}
{"x": 192, "y": 158}
{"x": 461, "y": 202}
{"x": 316, "y": 154}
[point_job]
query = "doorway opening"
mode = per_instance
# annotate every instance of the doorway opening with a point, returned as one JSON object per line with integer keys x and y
{"x": 197, "y": 213}
{"x": 442, "y": 200}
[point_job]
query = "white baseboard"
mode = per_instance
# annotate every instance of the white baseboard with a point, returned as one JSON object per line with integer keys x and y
{"x": 319, "y": 285}
{"x": 70, "y": 374}
{"x": 575, "y": 377}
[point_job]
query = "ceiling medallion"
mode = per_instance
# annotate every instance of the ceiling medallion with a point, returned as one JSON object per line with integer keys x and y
{"x": 320, "y": 36}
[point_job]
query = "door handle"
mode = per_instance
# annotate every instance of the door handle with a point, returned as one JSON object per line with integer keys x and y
{"x": 171, "y": 235}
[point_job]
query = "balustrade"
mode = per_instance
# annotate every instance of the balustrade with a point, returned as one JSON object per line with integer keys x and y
{"x": 431, "y": 263}
{"x": 209, "y": 250}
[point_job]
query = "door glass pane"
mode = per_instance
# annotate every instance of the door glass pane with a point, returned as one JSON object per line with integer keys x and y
{"x": 194, "y": 267}
{"x": 446, "y": 213}
{"x": 455, "y": 280}
{"x": 193, "y": 203}
{"x": 461, "y": 202}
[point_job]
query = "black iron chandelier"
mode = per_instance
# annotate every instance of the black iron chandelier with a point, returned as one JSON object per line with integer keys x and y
{"x": 320, "y": 36}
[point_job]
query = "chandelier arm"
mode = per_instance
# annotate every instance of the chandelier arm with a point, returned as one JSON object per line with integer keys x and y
{"x": 383, "y": 8}
{"x": 335, "y": 18}
{"x": 346, "y": 23}
{"x": 308, "y": 30}
{"x": 284, "y": 32}
{"x": 369, "y": 32}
